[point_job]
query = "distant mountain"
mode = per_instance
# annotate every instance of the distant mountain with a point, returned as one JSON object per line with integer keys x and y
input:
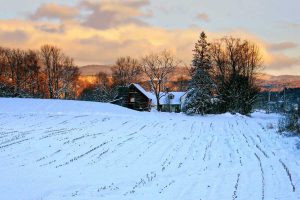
{"x": 279, "y": 82}
{"x": 90, "y": 70}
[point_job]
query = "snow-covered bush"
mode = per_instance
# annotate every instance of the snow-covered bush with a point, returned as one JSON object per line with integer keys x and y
{"x": 289, "y": 122}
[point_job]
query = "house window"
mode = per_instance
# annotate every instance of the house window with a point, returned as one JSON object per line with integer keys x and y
{"x": 171, "y": 96}
{"x": 132, "y": 100}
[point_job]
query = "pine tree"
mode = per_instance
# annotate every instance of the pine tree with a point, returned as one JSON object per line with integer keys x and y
{"x": 200, "y": 95}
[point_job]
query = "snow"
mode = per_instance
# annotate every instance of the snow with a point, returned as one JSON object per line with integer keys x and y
{"x": 53, "y": 149}
{"x": 164, "y": 96}
{"x": 60, "y": 107}
{"x": 175, "y": 101}
{"x": 142, "y": 90}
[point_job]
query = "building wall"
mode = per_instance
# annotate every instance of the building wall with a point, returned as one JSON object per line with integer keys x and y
{"x": 171, "y": 108}
{"x": 137, "y": 100}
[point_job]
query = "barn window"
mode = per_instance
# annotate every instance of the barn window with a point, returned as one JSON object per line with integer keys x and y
{"x": 132, "y": 99}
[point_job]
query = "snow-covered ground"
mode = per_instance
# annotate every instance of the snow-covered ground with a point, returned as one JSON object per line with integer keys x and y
{"x": 52, "y": 149}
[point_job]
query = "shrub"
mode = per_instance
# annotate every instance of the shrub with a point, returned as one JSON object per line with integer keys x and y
{"x": 289, "y": 122}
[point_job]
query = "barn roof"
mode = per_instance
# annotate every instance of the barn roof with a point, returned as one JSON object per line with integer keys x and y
{"x": 142, "y": 90}
{"x": 164, "y": 96}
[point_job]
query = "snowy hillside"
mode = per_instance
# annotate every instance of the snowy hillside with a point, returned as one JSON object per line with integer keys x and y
{"x": 52, "y": 149}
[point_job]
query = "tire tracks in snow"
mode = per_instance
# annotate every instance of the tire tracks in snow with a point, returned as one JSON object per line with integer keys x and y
{"x": 262, "y": 177}
{"x": 234, "y": 196}
{"x": 288, "y": 174}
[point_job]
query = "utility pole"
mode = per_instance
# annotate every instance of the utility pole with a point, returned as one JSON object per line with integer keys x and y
{"x": 269, "y": 100}
{"x": 284, "y": 100}
{"x": 269, "y": 87}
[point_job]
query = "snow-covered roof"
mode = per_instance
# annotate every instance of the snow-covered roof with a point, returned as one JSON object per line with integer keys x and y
{"x": 142, "y": 90}
{"x": 165, "y": 98}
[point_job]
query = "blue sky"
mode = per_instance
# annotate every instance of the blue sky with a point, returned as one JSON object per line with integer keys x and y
{"x": 274, "y": 23}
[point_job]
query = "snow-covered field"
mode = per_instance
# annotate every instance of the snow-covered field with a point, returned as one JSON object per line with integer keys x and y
{"x": 51, "y": 149}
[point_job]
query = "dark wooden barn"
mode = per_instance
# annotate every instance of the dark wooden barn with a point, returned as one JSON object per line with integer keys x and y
{"x": 134, "y": 97}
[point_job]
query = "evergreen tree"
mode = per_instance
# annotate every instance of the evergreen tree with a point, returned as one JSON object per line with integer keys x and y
{"x": 200, "y": 95}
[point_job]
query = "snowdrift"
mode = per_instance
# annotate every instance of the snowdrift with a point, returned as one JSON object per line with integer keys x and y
{"x": 69, "y": 150}
{"x": 53, "y": 106}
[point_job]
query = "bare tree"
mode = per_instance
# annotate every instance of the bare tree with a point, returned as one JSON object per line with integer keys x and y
{"x": 67, "y": 82}
{"x": 48, "y": 73}
{"x": 235, "y": 64}
{"x": 127, "y": 70}
{"x": 5, "y": 89}
{"x": 33, "y": 78}
{"x": 52, "y": 58}
{"x": 233, "y": 56}
{"x": 158, "y": 67}
{"x": 3, "y": 62}
{"x": 46, "y": 53}
{"x": 16, "y": 64}
{"x": 20, "y": 70}
{"x": 60, "y": 71}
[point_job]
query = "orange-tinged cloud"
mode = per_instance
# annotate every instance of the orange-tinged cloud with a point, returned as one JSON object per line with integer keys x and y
{"x": 281, "y": 46}
{"x": 55, "y": 11}
{"x": 103, "y": 46}
{"x": 110, "y": 13}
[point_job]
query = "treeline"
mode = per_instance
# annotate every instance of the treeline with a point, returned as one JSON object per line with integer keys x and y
{"x": 222, "y": 73}
{"x": 223, "y": 76}
{"x": 125, "y": 71}
{"x": 153, "y": 71}
{"x": 46, "y": 73}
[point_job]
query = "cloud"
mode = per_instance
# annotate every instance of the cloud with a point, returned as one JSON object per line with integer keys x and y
{"x": 50, "y": 28}
{"x": 203, "y": 17}
{"x": 55, "y": 11}
{"x": 283, "y": 61}
{"x": 88, "y": 45}
{"x": 13, "y": 36}
{"x": 282, "y": 46}
{"x": 107, "y": 14}
{"x": 283, "y": 64}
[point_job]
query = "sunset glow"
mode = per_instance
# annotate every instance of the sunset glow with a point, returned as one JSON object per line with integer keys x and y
{"x": 98, "y": 32}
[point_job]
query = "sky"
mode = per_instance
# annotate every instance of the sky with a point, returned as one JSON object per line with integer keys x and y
{"x": 100, "y": 31}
